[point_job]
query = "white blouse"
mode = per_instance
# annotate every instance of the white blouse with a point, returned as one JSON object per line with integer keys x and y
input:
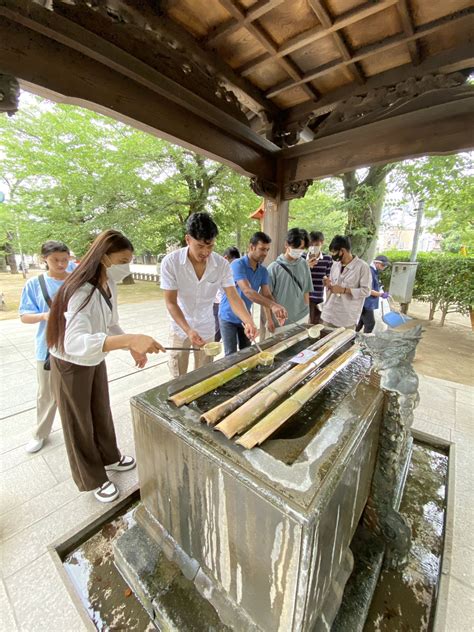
{"x": 344, "y": 310}
{"x": 87, "y": 329}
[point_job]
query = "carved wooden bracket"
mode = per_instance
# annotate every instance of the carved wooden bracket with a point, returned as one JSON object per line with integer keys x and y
{"x": 295, "y": 190}
{"x": 270, "y": 190}
{"x": 264, "y": 188}
{"x": 9, "y": 94}
{"x": 381, "y": 103}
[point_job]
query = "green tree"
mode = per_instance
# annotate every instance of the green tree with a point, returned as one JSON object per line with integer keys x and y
{"x": 321, "y": 209}
{"x": 364, "y": 193}
{"x": 446, "y": 185}
{"x": 79, "y": 173}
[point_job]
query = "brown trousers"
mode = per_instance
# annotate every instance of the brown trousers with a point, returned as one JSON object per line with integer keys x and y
{"x": 82, "y": 395}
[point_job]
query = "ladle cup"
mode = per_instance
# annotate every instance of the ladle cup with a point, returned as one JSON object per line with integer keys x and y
{"x": 313, "y": 332}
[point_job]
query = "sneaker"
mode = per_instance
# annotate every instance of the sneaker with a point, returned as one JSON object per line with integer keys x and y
{"x": 125, "y": 463}
{"x": 107, "y": 492}
{"x": 34, "y": 445}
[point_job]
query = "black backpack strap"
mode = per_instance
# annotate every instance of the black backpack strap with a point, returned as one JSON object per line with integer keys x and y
{"x": 44, "y": 290}
{"x": 291, "y": 274}
{"x": 105, "y": 296}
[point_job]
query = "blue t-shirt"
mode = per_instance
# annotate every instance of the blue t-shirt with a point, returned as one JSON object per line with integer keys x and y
{"x": 372, "y": 302}
{"x": 32, "y": 302}
{"x": 241, "y": 269}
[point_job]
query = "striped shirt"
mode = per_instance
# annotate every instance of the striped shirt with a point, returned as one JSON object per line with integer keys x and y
{"x": 320, "y": 270}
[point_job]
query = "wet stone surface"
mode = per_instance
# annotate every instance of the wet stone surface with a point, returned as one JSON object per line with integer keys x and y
{"x": 109, "y": 601}
{"x": 405, "y": 600}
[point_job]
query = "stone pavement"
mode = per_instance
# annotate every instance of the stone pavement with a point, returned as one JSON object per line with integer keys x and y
{"x": 40, "y": 502}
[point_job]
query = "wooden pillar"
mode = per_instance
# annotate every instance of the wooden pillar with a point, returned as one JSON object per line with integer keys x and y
{"x": 275, "y": 224}
{"x": 276, "y": 205}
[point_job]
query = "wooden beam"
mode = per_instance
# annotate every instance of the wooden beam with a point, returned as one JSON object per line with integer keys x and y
{"x": 451, "y": 60}
{"x": 146, "y": 17}
{"x": 234, "y": 24}
{"x": 33, "y": 58}
{"x": 318, "y": 32}
{"x": 323, "y": 16}
{"x": 265, "y": 40}
{"x": 404, "y": 13}
{"x": 373, "y": 49}
{"x": 441, "y": 129}
{"x": 74, "y": 36}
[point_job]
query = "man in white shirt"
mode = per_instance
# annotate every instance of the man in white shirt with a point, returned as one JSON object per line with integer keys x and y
{"x": 190, "y": 278}
{"x": 348, "y": 285}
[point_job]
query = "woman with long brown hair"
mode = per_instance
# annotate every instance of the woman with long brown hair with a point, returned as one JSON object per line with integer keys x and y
{"x": 82, "y": 328}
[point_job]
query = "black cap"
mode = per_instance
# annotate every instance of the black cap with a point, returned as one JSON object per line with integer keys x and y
{"x": 383, "y": 259}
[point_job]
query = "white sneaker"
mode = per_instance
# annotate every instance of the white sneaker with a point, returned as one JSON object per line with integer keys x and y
{"x": 107, "y": 492}
{"x": 34, "y": 445}
{"x": 125, "y": 463}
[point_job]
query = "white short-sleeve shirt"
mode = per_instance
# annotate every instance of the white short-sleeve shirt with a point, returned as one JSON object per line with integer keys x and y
{"x": 195, "y": 297}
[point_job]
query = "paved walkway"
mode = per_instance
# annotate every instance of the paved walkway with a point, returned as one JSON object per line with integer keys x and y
{"x": 40, "y": 502}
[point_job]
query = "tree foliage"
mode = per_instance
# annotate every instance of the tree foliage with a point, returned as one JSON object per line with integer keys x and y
{"x": 446, "y": 184}
{"x": 70, "y": 173}
{"x": 444, "y": 280}
{"x": 321, "y": 209}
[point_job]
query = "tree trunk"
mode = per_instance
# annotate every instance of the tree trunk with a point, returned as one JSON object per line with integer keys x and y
{"x": 432, "y": 311}
{"x": 364, "y": 202}
{"x": 129, "y": 280}
{"x": 444, "y": 312}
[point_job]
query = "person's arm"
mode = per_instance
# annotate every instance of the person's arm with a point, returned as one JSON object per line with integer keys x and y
{"x": 365, "y": 285}
{"x": 238, "y": 307}
{"x": 171, "y": 300}
{"x": 136, "y": 343}
{"x": 30, "y": 312}
{"x": 264, "y": 297}
{"x": 81, "y": 341}
{"x": 32, "y": 319}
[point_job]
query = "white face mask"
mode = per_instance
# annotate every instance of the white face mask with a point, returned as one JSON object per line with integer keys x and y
{"x": 118, "y": 271}
{"x": 295, "y": 253}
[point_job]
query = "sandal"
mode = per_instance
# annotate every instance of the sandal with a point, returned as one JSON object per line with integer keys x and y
{"x": 125, "y": 463}
{"x": 107, "y": 492}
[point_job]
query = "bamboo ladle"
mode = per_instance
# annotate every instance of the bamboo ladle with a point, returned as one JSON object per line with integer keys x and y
{"x": 210, "y": 348}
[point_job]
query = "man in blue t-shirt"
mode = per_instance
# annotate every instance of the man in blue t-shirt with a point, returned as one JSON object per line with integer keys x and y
{"x": 251, "y": 280}
{"x": 371, "y": 303}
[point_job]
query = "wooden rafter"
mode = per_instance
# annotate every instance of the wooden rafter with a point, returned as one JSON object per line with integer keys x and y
{"x": 318, "y": 32}
{"x": 324, "y": 17}
{"x": 265, "y": 40}
{"x": 234, "y": 24}
{"x": 404, "y": 13}
{"x": 373, "y": 49}
{"x": 451, "y": 60}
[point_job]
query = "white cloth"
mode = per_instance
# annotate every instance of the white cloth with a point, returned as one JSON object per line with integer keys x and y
{"x": 87, "y": 329}
{"x": 195, "y": 297}
{"x": 344, "y": 310}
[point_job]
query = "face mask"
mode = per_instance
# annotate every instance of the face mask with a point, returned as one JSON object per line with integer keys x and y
{"x": 337, "y": 257}
{"x": 295, "y": 253}
{"x": 118, "y": 272}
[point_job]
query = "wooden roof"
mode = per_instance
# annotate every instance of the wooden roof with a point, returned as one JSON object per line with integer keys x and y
{"x": 245, "y": 81}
